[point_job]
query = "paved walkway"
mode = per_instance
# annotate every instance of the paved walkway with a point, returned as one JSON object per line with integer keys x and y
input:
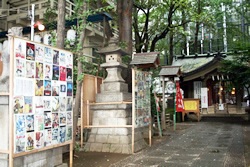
{"x": 210, "y": 143}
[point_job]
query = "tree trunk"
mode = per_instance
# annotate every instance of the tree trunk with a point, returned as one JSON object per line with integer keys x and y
{"x": 77, "y": 106}
{"x": 61, "y": 24}
{"x": 171, "y": 47}
{"x": 197, "y": 29}
{"x": 238, "y": 93}
{"x": 184, "y": 29}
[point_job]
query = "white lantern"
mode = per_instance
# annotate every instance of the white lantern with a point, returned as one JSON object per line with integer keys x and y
{"x": 71, "y": 36}
{"x": 47, "y": 39}
{"x": 37, "y": 38}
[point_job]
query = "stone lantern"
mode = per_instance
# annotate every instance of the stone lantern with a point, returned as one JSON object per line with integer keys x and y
{"x": 113, "y": 89}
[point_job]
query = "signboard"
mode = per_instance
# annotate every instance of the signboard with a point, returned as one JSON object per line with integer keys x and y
{"x": 197, "y": 89}
{"x": 190, "y": 105}
{"x": 42, "y": 102}
{"x": 179, "y": 100}
{"x": 142, "y": 84}
{"x": 204, "y": 98}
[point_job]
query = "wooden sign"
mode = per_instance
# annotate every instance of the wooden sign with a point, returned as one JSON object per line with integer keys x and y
{"x": 191, "y": 105}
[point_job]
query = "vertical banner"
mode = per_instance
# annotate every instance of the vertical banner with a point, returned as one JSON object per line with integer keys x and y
{"x": 204, "y": 98}
{"x": 197, "y": 89}
{"x": 179, "y": 100}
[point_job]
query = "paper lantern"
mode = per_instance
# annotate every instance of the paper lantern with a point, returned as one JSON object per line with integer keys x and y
{"x": 47, "y": 39}
{"x": 71, "y": 36}
{"x": 38, "y": 38}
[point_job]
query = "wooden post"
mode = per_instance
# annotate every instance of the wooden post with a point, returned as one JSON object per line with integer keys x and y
{"x": 87, "y": 112}
{"x": 71, "y": 155}
{"x": 11, "y": 83}
{"x": 163, "y": 120}
{"x": 150, "y": 122}
{"x": 133, "y": 109}
{"x": 82, "y": 116}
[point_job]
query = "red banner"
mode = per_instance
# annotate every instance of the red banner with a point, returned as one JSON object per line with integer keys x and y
{"x": 179, "y": 100}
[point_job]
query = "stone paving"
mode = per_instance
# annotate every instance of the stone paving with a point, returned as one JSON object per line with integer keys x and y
{"x": 217, "y": 143}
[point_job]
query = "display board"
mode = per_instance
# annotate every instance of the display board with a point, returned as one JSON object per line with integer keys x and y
{"x": 142, "y": 100}
{"x": 42, "y": 97}
{"x": 191, "y": 105}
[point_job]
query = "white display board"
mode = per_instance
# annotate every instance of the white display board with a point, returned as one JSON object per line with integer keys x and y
{"x": 197, "y": 89}
{"x": 204, "y": 98}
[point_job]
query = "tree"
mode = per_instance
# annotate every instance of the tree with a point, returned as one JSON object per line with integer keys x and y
{"x": 61, "y": 24}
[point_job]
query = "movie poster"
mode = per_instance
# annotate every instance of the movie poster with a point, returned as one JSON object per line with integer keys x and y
{"x": 38, "y": 104}
{"x": 55, "y": 120}
{"x": 68, "y": 133}
{"x": 19, "y": 133}
{"x": 47, "y": 88}
{"x": 30, "y": 141}
{"x": 39, "y": 53}
{"x": 56, "y": 57}
{"x": 62, "y": 59}
{"x": 39, "y": 140}
{"x": 47, "y": 55}
{"x": 20, "y": 48}
{"x": 69, "y": 88}
{"x": 55, "y": 138}
{"x": 62, "y": 73}
{"x": 55, "y": 104}
{"x": 28, "y": 107}
{"x": 62, "y": 117}
{"x": 20, "y": 68}
{"x": 47, "y": 137}
{"x": 69, "y": 104}
{"x": 30, "y": 69}
{"x": 39, "y": 70}
{"x": 39, "y": 88}
{"x": 69, "y": 60}
{"x": 62, "y": 92}
{"x": 55, "y": 88}
{"x": 47, "y": 119}
{"x": 18, "y": 105}
{"x": 62, "y": 134}
{"x": 48, "y": 72}
{"x": 62, "y": 104}
{"x": 47, "y": 103}
{"x": 55, "y": 74}
{"x": 69, "y": 74}
{"x": 29, "y": 123}
{"x": 30, "y": 50}
{"x": 39, "y": 122}
{"x": 69, "y": 119}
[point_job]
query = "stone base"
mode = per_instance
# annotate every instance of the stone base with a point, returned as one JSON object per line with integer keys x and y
{"x": 113, "y": 97}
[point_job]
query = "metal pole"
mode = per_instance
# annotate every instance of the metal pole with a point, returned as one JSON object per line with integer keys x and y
{"x": 174, "y": 105}
{"x": 32, "y": 22}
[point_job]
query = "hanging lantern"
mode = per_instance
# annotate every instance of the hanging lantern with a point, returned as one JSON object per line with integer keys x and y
{"x": 38, "y": 38}
{"x": 233, "y": 91}
{"x": 71, "y": 36}
{"x": 47, "y": 39}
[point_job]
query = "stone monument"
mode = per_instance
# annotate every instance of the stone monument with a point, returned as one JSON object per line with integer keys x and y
{"x": 113, "y": 89}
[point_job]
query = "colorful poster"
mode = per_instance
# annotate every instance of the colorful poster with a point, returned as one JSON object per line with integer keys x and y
{"x": 30, "y": 141}
{"x": 39, "y": 140}
{"x": 62, "y": 73}
{"x": 69, "y": 133}
{"x": 29, "y": 123}
{"x": 55, "y": 104}
{"x": 39, "y": 88}
{"x": 62, "y": 59}
{"x": 62, "y": 104}
{"x": 55, "y": 138}
{"x": 69, "y": 119}
{"x": 62, "y": 92}
{"x": 47, "y": 55}
{"x": 48, "y": 72}
{"x": 62, "y": 117}
{"x": 47, "y": 88}
{"x": 47, "y": 103}
{"x": 39, "y": 53}
{"x": 39, "y": 70}
{"x": 69, "y": 60}
{"x": 20, "y": 68}
{"x": 47, "y": 119}
{"x": 18, "y": 105}
{"x": 69, "y": 88}
{"x": 30, "y": 50}
{"x": 69, "y": 74}
{"x": 55, "y": 120}
{"x": 47, "y": 137}
{"x": 56, "y": 57}
{"x": 39, "y": 122}
{"x": 19, "y": 133}
{"x": 69, "y": 104}
{"x": 30, "y": 69}
{"x": 55, "y": 74}
{"x": 55, "y": 88}
{"x": 20, "y": 48}
{"x": 28, "y": 104}
{"x": 62, "y": 134}
{"x": 38, "y": 104}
